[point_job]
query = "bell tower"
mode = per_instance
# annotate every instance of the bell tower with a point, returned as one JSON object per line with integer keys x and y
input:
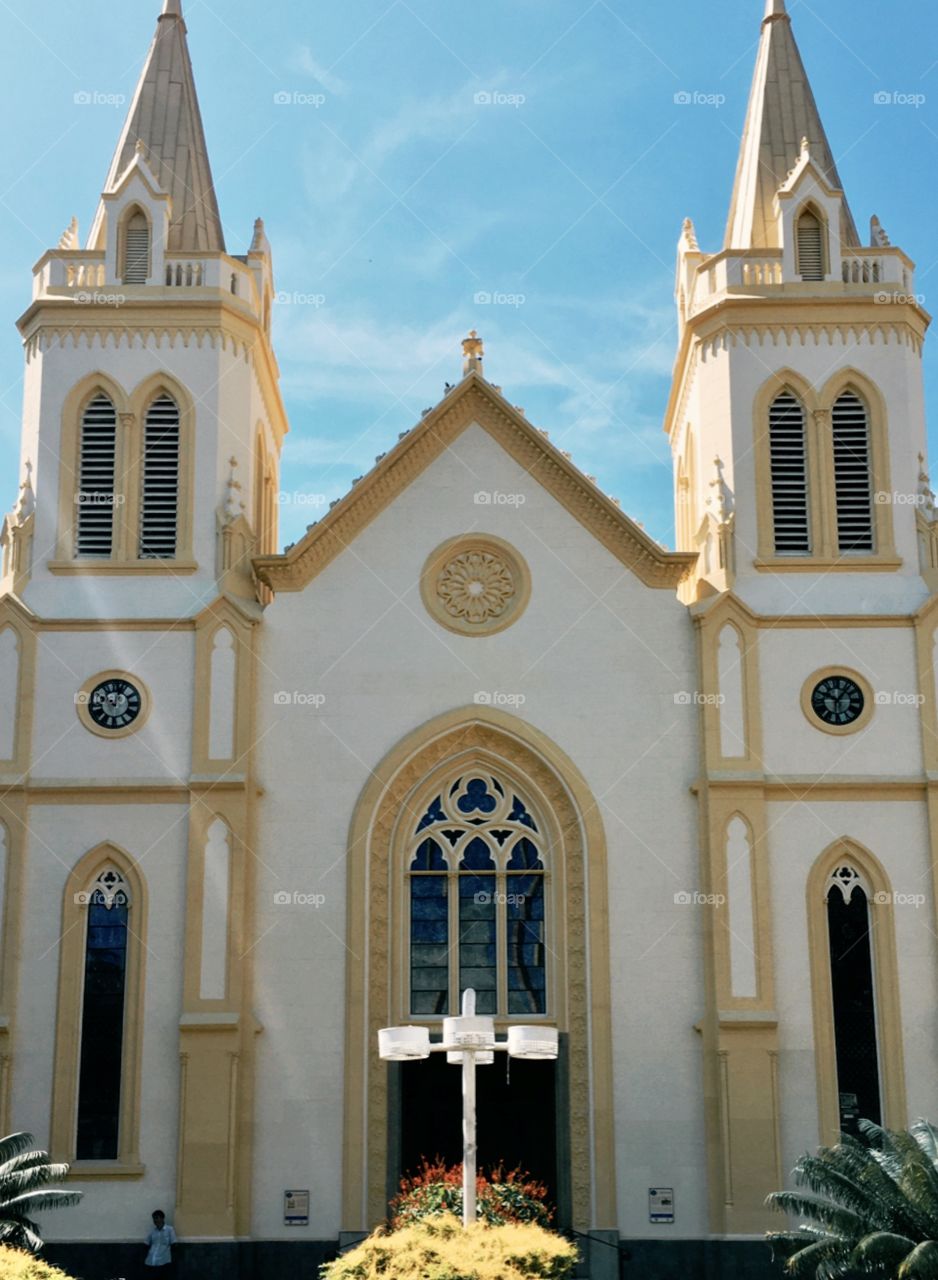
{"x": 153, "y": 421}
{"x": 796, "y": 417}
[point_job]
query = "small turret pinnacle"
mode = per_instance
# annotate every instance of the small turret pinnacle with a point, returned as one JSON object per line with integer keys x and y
{"x": 773, "y": 9}
{"x": 473, "y": 351}
{"x": 172, "y": 9}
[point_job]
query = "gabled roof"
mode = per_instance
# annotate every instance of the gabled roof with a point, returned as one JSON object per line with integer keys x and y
{"x": 782, "y": 111}
{"x": 474, "y": 400}
{"x": 165, "y": 117}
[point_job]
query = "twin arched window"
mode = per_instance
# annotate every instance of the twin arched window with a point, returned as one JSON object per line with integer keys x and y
{"x": 115, "y": 470}
{"x": 846, "y": 451}
{"x": 477, "y": 902}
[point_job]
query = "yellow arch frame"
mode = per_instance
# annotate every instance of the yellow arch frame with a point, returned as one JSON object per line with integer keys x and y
{"x": 584, "y": 1008}
{"x": 886, "y": 984}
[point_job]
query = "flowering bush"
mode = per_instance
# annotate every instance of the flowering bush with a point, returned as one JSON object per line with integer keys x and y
{"x": 502, "y": 1198}
{"x": 438, "y": 1247}
{"x": 15, "y": 1265}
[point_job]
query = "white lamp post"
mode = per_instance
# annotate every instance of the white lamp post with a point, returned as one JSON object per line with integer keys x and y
{"x": 468, "y": 1041}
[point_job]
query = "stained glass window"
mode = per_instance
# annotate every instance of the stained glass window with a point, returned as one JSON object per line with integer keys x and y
{"x": 102, "y": 1019}
{"x": 477, "y": 902}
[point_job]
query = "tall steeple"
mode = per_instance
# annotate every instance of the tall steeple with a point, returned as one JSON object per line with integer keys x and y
{"x": 782, "y": 112}
{"x": 164, "y": 116}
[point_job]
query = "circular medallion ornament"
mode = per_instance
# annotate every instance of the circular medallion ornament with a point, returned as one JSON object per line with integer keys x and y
{"x": 838, "y": 701}
{"x": 475, "y": 585}
{"x": 113, "y": 704}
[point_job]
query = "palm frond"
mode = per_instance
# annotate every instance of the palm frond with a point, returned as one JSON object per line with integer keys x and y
{"x": 922, "y": 1262}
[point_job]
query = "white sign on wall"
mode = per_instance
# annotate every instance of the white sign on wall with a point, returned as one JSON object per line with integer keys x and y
{"x": 296, "y": 1208}
{"x": 660, "y": 1204}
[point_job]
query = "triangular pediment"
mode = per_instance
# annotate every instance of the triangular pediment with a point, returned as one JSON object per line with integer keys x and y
{"x": 474, "y": 402}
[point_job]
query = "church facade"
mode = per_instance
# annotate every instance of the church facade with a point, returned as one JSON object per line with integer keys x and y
{"x": 476, "y": 729}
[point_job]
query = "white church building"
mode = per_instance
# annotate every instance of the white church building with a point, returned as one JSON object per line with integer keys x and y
{"x": 256, "y": 805}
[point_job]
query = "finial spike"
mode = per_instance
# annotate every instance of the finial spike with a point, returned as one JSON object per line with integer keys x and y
{"x": 172, "y": 9}
{"x": 775, "y": 9}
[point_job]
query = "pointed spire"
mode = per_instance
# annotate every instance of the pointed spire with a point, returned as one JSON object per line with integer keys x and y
{"x": 782, "y": 115}
{"x": 166, "y": 121}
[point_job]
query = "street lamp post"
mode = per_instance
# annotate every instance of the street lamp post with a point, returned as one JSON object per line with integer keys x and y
{"x": 469, "y": 1041}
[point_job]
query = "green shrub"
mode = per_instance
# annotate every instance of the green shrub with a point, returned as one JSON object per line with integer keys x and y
{"x": 15, "y": 1265}
{"x": 501, "y": 1198}
{"x": 439, "y": 1249}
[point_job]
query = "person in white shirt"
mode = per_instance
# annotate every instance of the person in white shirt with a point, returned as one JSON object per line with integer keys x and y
{"x": 159, "y": 1244}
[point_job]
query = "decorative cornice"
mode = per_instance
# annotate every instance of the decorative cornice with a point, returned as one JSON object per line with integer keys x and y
{"x": 474, "y": 401}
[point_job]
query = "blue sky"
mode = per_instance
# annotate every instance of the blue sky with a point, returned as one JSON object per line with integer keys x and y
{"x": 429, "y": 153}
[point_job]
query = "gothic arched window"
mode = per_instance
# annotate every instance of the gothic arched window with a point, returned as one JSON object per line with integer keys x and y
{"x": 136, "y": 249}
{"x": 853, "y": 473}
{"x": 788, "y": 457}
{"x": 95, "y": 499}
{"x": 159, "y": 503}
{"x": 809, "y": 239}
{"x": 477, "y": 902}
{"x": 102, "y": 1018}
{"x": 853, "y": 991}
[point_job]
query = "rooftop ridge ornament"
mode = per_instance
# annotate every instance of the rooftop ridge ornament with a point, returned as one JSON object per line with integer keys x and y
{"x": 69, "y": 237}
{"x": 473, "y": 350}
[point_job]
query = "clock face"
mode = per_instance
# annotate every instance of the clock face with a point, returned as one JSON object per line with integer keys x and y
{"x": 114, "y": 703}
{"x": 837, "y": 700}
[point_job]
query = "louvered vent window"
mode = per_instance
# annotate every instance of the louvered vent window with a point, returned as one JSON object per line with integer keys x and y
{"x": 852, "y": 474}
{"x": 788, "y": 452}
{"x": 136, "y": 250}
{"x": 95, "y": 497}
{"x": 810, "y": 237}
{"x": 159, "y": 516}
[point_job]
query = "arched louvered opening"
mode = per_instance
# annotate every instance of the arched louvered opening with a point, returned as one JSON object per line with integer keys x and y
{"x": 788, "y": 451}
{"x": 136, "y": 258}
{"x": 854, "y": 999}
{"x": 853, "y": 479}
{"x": 809, "y": 236}
{"x": 159, "y": 505}
{"x": 95, "y": 498}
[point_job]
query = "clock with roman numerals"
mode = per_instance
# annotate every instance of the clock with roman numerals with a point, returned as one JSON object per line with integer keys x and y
{"x": 838, "y": 701}
{"x": 113, "y": 704}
